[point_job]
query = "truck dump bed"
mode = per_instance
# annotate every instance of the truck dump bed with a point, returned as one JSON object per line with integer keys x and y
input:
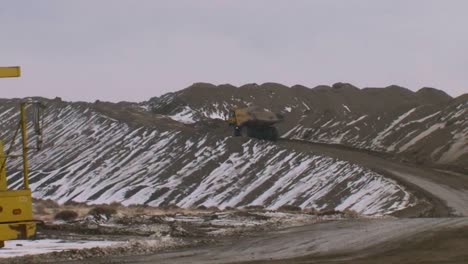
{"x": 261, "y": 117}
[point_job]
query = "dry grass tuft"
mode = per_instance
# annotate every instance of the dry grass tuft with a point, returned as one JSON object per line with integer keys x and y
{"x": 102, "y": 210}
{"x": 351, "y": 213}
{"x": 289, "y": 208}
{"x": 66, "y": 215}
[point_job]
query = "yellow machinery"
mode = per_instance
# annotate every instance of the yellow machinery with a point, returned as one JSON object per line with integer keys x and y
{"x": 254, "y": 122}
{"x": 16, "y": 217}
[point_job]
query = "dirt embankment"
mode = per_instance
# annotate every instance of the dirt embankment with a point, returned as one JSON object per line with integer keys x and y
{"x": 342, "y": 242}
{"x": 427, "y": 127}
{"x": 445, "y": 192}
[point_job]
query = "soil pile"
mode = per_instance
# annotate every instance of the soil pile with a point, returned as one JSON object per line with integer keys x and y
{"x": 104, "y": 152}
{"x": 427, "y": 126}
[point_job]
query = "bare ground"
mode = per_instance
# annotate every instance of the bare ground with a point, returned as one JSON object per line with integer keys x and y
{"x": 324, "y": 241}
{"x": 404, "y": 240}
{"x": 353, "y": 240}
{"x": 447, "y": 192}
{"x": 156, "y": 230}
{"x": 438, "y": 246}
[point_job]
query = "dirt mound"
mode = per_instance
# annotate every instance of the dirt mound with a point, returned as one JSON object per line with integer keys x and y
{"x": 141, "y": 153}
{"x": 96, "y": 153}
{"x": 427, "y": 126}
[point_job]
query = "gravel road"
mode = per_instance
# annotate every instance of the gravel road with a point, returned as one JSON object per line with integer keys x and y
{"x": 340, "y": 237}
{"x": 450, "y": 189}
{"x": 447, "y": 192}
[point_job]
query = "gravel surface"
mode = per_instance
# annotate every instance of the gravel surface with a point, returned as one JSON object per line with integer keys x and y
{"x": 446, "y": 192}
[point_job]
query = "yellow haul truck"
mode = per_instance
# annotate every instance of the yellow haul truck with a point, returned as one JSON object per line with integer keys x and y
{"x": 16, "y": 217}
{"x": 254, "y": 122}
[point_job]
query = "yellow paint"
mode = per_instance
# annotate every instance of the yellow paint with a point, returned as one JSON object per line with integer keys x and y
{"x": 239, "y": 116}
{"x": 3, "y": 181}
{"x": 24, "y": 135}
{"x": 16, "y": 216}
{"x": 13, "y": 231}
{"x": 7, "y": 72}
{"x": 19, "y": 200}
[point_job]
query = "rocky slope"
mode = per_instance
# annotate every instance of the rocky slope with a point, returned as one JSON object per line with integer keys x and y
{"x": 104, "y": 152}
{"x": 427, "y": 126}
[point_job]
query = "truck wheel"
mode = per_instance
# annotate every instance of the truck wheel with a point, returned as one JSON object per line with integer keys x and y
{"x": 274, "y": 134}
{"x": 236, "y": 132}
{"x": 269, "y": 133}
{"x": 245, "y": 131}
{"x": 265, "y": 133}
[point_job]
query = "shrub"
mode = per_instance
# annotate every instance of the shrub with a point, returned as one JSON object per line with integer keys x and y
{"x": 48, "y": 203}
{"x": 40, "y": 209}
{"x": 213, "y": 209}
{"x": 170, "y": 207}
{"x": 289, "y": 208}
{"x": 255, "y": 207}
{"x": 73, "y": 203}
{"x": 102, "y": 210}
{"x": 351, "y": 213}
{"x": 310, "y": 210}
{"x": 66, "y": 215}
{"x": 138, "y": 206}
{"x": 328, "y": 212}
{"x": 116, "y": 205}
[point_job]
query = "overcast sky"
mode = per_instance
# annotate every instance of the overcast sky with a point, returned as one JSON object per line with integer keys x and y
{"x": 134, "y": 49}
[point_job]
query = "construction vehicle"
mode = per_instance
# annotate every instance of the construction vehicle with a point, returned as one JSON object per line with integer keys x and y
{"x": 16, "y": 215}
{"x": 253, "y": 122}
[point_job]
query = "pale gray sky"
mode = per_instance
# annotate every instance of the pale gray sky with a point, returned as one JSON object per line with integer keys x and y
{"x": 135, "y": 49}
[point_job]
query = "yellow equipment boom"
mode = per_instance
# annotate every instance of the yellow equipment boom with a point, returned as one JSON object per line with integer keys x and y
{"x": 16, "y": 217}
{"x": 6, "y": 72}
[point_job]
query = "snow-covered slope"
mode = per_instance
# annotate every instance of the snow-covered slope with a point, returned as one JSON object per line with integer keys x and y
{"x": 427, "y": 126}
{"x": 100, "y": 153}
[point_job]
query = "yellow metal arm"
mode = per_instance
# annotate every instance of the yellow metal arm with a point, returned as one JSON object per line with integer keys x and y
{"x": 25, "y": 145}
{"x": 7, "y": 72}
{"x": 16, "y": 216}
{"x": 3, "y": 180}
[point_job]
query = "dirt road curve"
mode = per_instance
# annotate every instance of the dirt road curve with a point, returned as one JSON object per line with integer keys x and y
{"x": 352, "y": 238}
{"x": 341, "y": 237}
{"x": 451, "y": 189}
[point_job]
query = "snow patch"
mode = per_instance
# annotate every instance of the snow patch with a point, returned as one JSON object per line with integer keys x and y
{"x": 184, "y": 116}
{"x": 15, "y": 248}
{"x": 306, "y": 106}
{"x": 357, "y": 120}
{"x": 458, "y": 147}
{"x": 421, "y": 136}
{"x": 377, "y": 140}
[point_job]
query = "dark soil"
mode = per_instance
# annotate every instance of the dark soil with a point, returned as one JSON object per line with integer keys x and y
{"x": 448, "y": 246}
